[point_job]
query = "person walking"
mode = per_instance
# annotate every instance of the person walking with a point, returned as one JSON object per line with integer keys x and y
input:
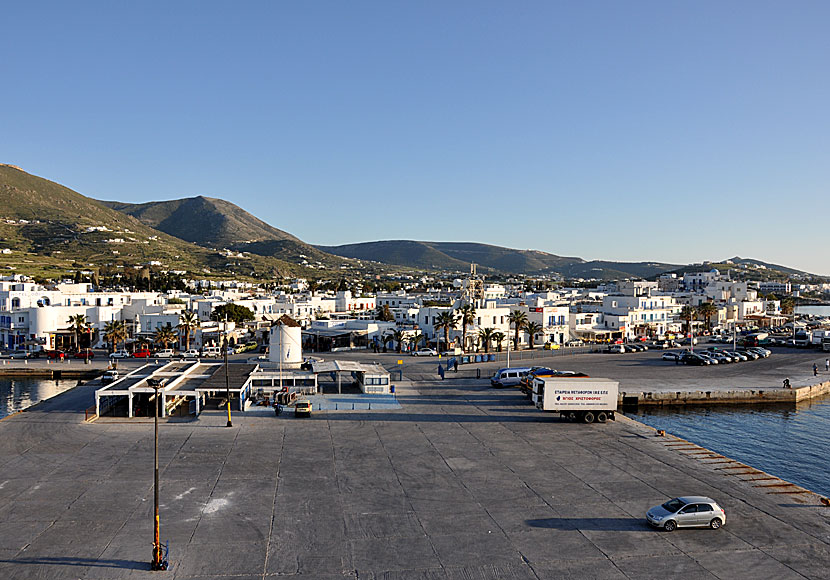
{"x": 815, "y": 370}
{"x": 455, "y": 364}
{"x": 827, "y": 365}
{"x": 441, "y": 371}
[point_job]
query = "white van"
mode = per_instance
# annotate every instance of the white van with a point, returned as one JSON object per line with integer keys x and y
{"x": 211, "y": 352}
{"x": 508, "y": 377}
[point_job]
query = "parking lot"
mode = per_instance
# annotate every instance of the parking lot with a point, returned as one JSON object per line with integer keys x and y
{"x": 638, "y": 371}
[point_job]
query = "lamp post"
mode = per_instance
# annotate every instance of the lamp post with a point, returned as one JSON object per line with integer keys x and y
{"x": 158, "y": 563}
{"x": 227, "y": 379}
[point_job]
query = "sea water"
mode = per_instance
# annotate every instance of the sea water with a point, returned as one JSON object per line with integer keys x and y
{"x": 789, "y": 441}
{"x": 18, "y": 393}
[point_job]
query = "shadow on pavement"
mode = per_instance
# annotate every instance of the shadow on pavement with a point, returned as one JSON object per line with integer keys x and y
{"x": 607, "y": 524}
{"x": 84, "y": 562}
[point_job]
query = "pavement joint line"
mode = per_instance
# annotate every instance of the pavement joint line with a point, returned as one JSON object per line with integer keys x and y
{"x": 274, "y": 502}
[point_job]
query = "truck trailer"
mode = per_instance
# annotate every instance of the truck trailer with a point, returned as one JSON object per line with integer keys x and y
{"x": 577, "y": 399}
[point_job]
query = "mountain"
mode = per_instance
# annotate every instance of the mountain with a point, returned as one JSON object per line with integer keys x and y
{"x": 49, "y": 229}
{"x": 216, "y": 223}
{"x": 459, "y": 255}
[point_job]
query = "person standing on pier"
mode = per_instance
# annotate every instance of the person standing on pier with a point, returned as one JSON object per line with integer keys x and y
{"x": 815, "y": 370}
{"x": 827, "y": 365}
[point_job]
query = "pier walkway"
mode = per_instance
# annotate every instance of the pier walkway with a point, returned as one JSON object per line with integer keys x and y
{"x": 463, "y": 482}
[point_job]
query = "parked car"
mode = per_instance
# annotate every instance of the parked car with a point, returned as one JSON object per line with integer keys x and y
{"x": 687, "y": 512}
{"x": 574, "y": 343}
{"x": 142, "y": 353}
{"x": 749, "y": 354}
{"x": 302, "y": 408}
{"x": 190, "y": 353}
{"x": 15, "y": 354}
{"x": 55, "y": 354}
{"x": 109, "y": 376}
{"x": 120, "y": 354}
{"x": 738, "y": 355}
{"x": 720, "y": 357}
{"x": 425, "y": 352}
{"x": 707, "y": 356}
{"x": 85, "y": 353}
{"x": 760, "y": 350}
{"x": 166, "y": 353}
{"x": 616, "y": 348}
{"x": 690, "y": 358}
{"x": 672, "y": 356}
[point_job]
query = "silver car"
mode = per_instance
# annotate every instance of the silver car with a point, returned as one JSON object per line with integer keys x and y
{"x": 687, "y": 512}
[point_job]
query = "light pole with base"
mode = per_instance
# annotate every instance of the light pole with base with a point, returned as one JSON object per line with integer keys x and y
{"x": 158, "y": 563}
{"x": 227, "y": 379}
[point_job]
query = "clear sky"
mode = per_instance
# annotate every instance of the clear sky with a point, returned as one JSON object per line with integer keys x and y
{"x": 674, "y": 131}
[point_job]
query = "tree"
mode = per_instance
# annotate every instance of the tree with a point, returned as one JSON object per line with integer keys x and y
{"x": 485, "y": 335}
{"x": 467, "y": 316}
{"x": 235, "y": 312}
{"x": 164, "y": 335}
{"x": 383, "y": 313}
{"x": 115, "y": 332}
{"x": 498, "y": 337}
{"x": 78, "y": 324}
{"x": 518, "y": 319}
{"x": 688, "y": 313}
{"x": 188, "y": 323}
{"x": 707, "y": 310}
{"x": 446, "y": 321}
{"x": 397, "y": 336}
{"x": 532, "y": 329}
{"x": 416, "y": 339}
{"x": 787, "y": 306}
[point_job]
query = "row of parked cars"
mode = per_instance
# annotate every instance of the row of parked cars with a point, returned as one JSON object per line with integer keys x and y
{"x": 714, "y": 355}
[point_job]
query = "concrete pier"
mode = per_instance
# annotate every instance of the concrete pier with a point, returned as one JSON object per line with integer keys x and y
{"x": 463, "y": 481}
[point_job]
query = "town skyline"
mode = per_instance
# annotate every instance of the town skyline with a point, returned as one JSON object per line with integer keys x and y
{"x": 677, "y": 134}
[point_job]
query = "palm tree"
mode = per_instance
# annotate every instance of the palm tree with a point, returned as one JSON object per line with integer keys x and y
{"x": 533, "y": 328}
{"x": 399, "y": 337}
{"x": 164, "y": 335}
{"x": 498, "y": 337}
{"x": 78, "y": 324}
{"x": 446, "y": 321}
{"x": 188, "y": 323}
{"x": 467, "y": 317}
{"x": 115, "y": 332}
{"x": 519, "y": 319}
{"x": 415, "y": 340}
{"x": 688, "y": 313}
{"x": 485, "y": 335}
{"x": 707, "y": 310}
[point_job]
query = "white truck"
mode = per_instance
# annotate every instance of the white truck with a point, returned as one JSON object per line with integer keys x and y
{"x": 577, "y": 398}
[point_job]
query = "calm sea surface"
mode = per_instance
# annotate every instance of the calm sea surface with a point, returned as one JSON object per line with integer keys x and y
{"x": 790, "y": 442}
{"x": 18, "y": 393}
{"x": 814, "y": 310}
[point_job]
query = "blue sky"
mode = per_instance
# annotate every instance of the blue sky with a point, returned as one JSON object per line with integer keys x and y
{"x": 664, "y": 131}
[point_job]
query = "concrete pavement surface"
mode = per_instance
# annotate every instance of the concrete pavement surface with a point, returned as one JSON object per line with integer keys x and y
{"x": 463, "y": 482}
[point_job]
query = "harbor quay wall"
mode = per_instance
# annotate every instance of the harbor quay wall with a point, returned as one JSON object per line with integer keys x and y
{"x": 50, "y": 373}
{"x": 725, "y": 396}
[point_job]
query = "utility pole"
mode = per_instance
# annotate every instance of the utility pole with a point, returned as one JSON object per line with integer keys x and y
{"x": 158, "y": 563}
{"x": 227, "y": 379}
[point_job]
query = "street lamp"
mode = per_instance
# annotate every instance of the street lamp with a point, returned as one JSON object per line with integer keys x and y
{"x": 158, "y": 563}
{"x": 227, "y": 379}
